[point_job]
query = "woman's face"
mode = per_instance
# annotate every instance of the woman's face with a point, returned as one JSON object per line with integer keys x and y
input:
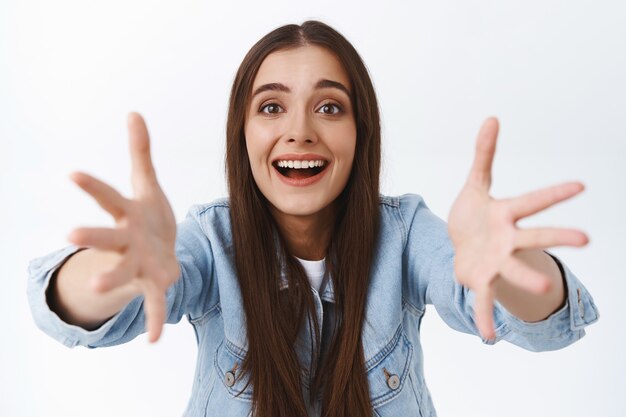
{"x": 300, "y": 130}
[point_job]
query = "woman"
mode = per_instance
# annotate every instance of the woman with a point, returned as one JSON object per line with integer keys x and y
{"x": 306, "y": 287}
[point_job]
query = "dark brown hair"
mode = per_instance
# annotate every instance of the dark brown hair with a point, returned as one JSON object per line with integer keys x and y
{"x": 274, "y": 317}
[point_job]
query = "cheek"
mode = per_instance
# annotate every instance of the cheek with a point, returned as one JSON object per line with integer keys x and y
{"x": 259, "y": 142}
{"x": 344, "y": 149}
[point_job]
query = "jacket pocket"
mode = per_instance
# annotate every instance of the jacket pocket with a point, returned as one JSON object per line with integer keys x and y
{"x": 228, "y": 359}
{"x": 389, "y": 376}
{"x": 227, "y": 395}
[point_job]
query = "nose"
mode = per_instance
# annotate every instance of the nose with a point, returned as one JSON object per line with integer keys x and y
{"x": 301, "y": 129}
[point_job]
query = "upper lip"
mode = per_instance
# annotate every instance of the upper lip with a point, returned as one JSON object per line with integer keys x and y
{"x": 299, "y": 157}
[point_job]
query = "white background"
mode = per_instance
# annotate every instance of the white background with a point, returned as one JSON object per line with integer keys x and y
{"x": 552, "y": 71}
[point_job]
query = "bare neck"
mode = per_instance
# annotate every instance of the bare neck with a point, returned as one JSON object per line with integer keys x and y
{"x": 307, "y": 237}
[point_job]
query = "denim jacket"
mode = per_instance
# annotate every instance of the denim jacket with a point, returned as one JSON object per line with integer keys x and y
{"x": 412, "y": 267}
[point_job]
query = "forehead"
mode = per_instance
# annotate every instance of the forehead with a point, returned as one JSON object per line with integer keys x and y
{"x": 302, "y": 65}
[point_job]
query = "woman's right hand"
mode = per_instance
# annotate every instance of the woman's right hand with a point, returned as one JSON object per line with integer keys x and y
{"x": 144, "y": 235}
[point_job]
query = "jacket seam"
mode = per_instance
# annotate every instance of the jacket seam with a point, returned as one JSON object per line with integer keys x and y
{"x": 405, "y": 228}
{"x": 414, "y": 309}
{"x": 382, "y": 354}
{"x": 203, "y": 316}
{"x": 390, "y": 201}
{"x": 218, "y": 203}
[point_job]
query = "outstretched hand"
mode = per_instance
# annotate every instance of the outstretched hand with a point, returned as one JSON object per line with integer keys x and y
{"x": 144, "y": 235}
{"x": 485, "y": 236}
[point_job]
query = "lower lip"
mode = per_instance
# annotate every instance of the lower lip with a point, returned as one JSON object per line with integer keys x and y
{"x": 301, "y": 182}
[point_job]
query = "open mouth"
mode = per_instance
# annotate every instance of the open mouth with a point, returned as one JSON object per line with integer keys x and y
{"x": 299, "y": 170}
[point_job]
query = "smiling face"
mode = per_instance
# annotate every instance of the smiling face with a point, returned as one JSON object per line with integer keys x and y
{"x": 300, "y": 130}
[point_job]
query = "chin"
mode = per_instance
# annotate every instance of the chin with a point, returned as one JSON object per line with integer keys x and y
{"x": 299, "y": 206}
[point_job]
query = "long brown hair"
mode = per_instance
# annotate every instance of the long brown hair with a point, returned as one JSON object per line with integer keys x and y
{"x": 274, "y": 317}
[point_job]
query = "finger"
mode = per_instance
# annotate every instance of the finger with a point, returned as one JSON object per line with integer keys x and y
{"x": 520, "y": 274}
{"x": 154, "y": 305}
{"x": 483, "y": 309}
{"x": 143, "y": 175}
{"x": 120, "y": 275}
{"x": 99, "y": 237}
{"x": 107, "y": 197}
{"x": 538, "y": 200}
{"x": 547, "y": 237}
{"x": 480, "y": 174}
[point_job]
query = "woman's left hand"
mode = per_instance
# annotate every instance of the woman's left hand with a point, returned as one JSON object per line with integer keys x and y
{"x": 485, "y": 236}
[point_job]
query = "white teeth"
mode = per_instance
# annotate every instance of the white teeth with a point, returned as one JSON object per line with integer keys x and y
{"x": 298, "y": 164}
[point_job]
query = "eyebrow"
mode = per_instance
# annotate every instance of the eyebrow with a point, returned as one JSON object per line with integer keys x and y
{"x": 319, "y": 85}
{"x": 332, "y": 84}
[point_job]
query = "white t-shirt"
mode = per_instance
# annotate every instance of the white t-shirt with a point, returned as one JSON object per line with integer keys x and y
{"x": 314, "y": 271}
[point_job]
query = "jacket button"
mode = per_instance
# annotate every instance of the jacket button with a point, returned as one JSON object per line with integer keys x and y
{"x": 393, "y": 382}
{"x": 229, "y": 379}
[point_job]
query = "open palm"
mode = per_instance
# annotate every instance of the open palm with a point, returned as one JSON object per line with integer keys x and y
{"x": 486, "y": 238}
{"x": 144, "y": 235}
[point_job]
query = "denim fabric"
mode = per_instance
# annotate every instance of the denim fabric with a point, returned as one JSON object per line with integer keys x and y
{"x": 412, "y": 267}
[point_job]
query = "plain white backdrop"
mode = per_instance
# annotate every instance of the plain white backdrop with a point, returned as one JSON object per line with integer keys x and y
{"x": 551, "y": 71}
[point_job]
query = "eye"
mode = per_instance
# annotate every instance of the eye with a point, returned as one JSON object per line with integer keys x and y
{"x": 270, "y": 108}
{"x": 331, "y": 109}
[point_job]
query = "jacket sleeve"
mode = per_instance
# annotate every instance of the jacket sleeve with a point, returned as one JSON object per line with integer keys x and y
{"x": 191, "y": 294}
{"x": 429, "y": 259}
